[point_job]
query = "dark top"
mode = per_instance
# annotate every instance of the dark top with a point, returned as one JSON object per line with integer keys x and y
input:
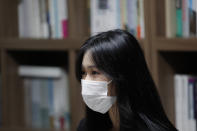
{"x": 82, "y": 126}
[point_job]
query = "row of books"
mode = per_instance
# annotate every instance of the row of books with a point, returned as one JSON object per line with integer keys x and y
{"x": 46, "y": 97}
{"x": 181, "y": 18}
{"x": 185, "y": 88}
{"x": 43, "y": 19}
{"x": 121, "y": 14}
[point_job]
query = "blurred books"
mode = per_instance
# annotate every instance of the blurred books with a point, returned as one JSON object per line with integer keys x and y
{"x": 185, "y": 88}
{"x": 46, "y": 97}
{"x": 43, "y": 19}
{"x": 117, "y": 14}
{"x": 181, "y": 18}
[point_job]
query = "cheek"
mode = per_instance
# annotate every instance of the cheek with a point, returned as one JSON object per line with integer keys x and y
{"x": 111, "y": 90}
{"x": 101, "y": 78}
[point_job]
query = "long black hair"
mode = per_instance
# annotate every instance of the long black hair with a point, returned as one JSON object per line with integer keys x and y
{"x": 118, "y": 54}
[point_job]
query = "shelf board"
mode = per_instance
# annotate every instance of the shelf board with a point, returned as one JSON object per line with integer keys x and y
{"x": 41, "y": 44}
{"x": 175, "y": 44}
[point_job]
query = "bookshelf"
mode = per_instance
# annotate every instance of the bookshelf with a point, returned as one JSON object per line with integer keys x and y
{"x": 169, "y": 57}
{"x": 15, "y": 51}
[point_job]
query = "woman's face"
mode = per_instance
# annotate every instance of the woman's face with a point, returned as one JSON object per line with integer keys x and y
{"x": 91, "y": 72}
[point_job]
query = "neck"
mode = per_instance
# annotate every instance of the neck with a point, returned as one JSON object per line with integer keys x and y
{"x": 114, "y": 116}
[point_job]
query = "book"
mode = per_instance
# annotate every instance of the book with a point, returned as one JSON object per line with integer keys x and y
{"x": 39, "y": 71}
{"x": 62, "y": 19}
{"x": 36, "y": 108}
{"x": 170, "y": 15}
{"x": 46, "y": 98}
{"x": 185, "y": 18}
{"x": 43, "y": 19}
{"x": 132, "y": 16}
{"x": 141, "y": 15}
{"x": 178, "y": 102}
{"x": 103, "y": 15}
{"x": 179, "y": 18}
{"x": 192, "y": 17}
{"x": 123, "y": 14}
{"x": 27, "y": 85}
{"x": 185, "y": 96}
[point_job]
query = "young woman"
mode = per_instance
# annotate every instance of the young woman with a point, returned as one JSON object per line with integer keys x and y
{"x": 117, "y": 87}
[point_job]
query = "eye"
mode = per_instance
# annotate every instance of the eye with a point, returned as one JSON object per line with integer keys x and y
{"x": 95, "y": 73}
{"x": 83, "y": 73}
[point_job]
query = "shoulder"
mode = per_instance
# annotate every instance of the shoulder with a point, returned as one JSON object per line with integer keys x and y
{"x": 82, "y": 125}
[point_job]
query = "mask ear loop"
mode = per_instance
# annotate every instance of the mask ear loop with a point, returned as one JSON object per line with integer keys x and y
{"x": 109, "y": 82}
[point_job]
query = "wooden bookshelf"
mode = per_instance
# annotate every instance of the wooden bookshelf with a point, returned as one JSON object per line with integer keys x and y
{"x": 15, "y": 51}
{"x": 169, "y": 57}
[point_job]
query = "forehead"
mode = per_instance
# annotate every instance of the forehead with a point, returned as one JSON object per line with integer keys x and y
{"x": 87, "y": 59}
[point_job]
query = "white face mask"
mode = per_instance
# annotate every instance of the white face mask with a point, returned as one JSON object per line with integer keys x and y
{"x": 94, "y": 94}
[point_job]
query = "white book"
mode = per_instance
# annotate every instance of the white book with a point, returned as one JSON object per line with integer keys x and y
{"x": 39, "y": 71}
{"x": 178, "y": 101}
{"x": 132, "y": 16}
{"x": 185, "y": 111}
{"x": 44, "y": 31}
{"x": 28, "y": 21}
{"x": 31, "y": 22}
{"x": 61, "y": 99}
{"x": 103, "y": 16}
{"x": 36, "y": 19}
{"x": 118, "y": 11}
{"x": 170, "y": 15}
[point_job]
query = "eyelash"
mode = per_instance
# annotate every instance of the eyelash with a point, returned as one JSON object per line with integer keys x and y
{"x": 95, "y": 73}
{"x": 92, "y": 73}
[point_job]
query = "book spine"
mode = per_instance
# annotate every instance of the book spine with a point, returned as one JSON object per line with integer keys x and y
{"x": 192, "y": 121}
{"x": 141, "y": 2}
{"x": 36, "y": 114}
{"x": 44, "y": 32}
{"x": 118, "y": 16}
{"x": 44, "y": 104}
{"x": 52, "y": 18}
{"x": 132, "y": 16}
{"x": 51, "y": 102}
{"x": 123, "y": 14}
{"x": 63, "y": 18}
{"x": 179, "y": 18}
{"x": 28, "y": 102}
{"x": 185, "y": 18}
{"x": 170, "y": 15}
{"x": 178, "y": 102}
{"x": 21, "y": 22}
{"x": 185, "y": 112}
{"x": 192, "y": 17}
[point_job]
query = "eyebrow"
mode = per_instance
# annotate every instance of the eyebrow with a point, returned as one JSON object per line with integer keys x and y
{"x": 91, "y": 66}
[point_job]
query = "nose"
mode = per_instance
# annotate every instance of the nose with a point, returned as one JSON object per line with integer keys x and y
{"x": 87, "y": 77}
